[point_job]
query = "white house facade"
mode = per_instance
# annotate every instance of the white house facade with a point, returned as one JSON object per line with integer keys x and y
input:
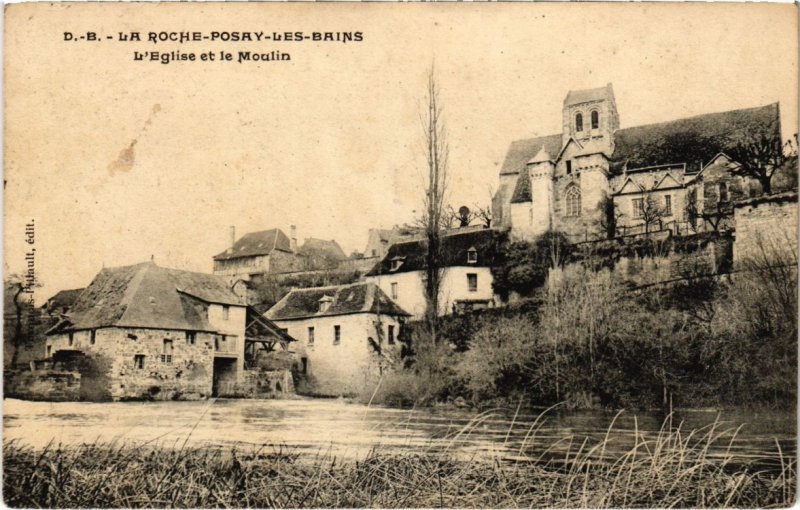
{"x": 346, "y": 334}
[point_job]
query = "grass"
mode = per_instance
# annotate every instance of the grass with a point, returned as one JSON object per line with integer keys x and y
{"x": 670, "y": 469}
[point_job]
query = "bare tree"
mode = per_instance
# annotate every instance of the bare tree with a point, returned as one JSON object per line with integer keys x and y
{"x": 710, "y": 215}
{"x": 434, "y": 219}
{"x": 17, "y": 291}
{"x": 760, "y": 155}
{"x": 651, "y": 212}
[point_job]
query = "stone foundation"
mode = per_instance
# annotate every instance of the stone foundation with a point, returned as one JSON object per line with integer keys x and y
{"x": 49, "y": 385}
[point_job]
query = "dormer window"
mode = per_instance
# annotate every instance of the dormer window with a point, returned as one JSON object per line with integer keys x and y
{"x": 595, "y": 119}
{"x": 579, "y": 122}
{"x": 472, "y": 256}
{"x": 396, "y": 263}
{"x": 325, "y": 303}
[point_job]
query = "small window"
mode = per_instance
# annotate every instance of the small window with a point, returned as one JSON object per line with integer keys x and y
{"x": 394, "y": 290}
{"x": 579, "y": 122}
{"x": 595, "y": 120}
{"x": 569, "y": 166}
{"x": 166, "y": 353}
{"x": 71, "y": 339}
{"x": 133, "y": 337}
{"x": 337, "y": 334}
{"x": 638, "y": 207}
{"x": 311, "y": 335}
{"x": 226, "y": 310}
{"x": 49, "y": 350}
{"x": 723, "y": 192}
{"x": 472, "y": 256}
{"x": 138, "y": 361}
{"x": 390, "y": 334}
{"x": 374, "y": 253}
{"x": 191, "y": 337}
{"x": 92, "y": 337}
{"x": 472, "y": 282}
{"x": 396, "y": 263}
{"x": 667, "y": 205}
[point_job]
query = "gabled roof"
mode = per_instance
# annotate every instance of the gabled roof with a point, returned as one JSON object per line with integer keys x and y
{"x": 259, "y": 327}
{"x": 148, "y": 296}
{"x": 346, "y": 299}
{"x": 521, "y": 151}
{"x": 667, "y": 182}
{"x": 453, "y": 250}
{"x": 694, "y": 140}
{"x": 257, "y": 243}
{"x": 587, "y": 95}
{"x": 63, "y": 298}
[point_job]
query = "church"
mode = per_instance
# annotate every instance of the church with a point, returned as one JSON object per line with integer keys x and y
{"x": 595, "y": 180}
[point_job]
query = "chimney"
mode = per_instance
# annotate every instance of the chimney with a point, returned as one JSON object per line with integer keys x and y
{"x": 293, "y": 244}
{"x": 232, "y": 236}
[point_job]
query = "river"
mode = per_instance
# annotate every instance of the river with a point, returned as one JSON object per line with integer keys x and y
{"x": 347, "y": 429}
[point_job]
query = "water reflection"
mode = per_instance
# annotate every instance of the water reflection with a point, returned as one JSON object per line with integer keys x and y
{"x": 347, "y": 429}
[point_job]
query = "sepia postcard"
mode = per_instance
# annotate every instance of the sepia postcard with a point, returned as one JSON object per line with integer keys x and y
{"x": 483, "y": 255}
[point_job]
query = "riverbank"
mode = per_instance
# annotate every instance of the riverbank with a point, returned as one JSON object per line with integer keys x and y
{"x": 673, "y": 469}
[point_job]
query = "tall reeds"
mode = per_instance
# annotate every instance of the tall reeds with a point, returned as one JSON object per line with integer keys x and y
{"x": 671, "y": 468}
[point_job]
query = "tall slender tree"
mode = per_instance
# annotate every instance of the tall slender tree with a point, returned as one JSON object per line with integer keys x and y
{"x": 434, "y": 219}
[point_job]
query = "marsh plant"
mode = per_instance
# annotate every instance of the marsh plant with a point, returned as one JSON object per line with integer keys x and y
{"x": 673, "y": 468}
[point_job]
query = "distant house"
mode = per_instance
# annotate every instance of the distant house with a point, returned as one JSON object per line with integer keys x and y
{"x": 62, "y": 301}
{"x": 344, "y": 332}
{"x": 377, "y": 242}
{"x": 146, "y": 330}
{"x": 467, "y": 257}
{"x": 266, "y": 251}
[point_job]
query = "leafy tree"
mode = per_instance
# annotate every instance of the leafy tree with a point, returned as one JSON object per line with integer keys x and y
{"x": 523, "y": 267}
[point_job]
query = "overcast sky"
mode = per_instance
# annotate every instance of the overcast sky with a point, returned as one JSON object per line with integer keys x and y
{"x": 118, "y": 160}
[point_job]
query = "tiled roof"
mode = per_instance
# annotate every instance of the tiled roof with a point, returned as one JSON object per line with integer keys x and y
{"x": 148, "y": 296}
{"x": 694, "y": 140}
{"x": 454, "y": 248}
{"x": 344, "y": 299}
{"x": 64, "y": 298}
{"x": 257, "y": 243}
{"x": 522, "y": 151}
{"x": 586, "y": 95}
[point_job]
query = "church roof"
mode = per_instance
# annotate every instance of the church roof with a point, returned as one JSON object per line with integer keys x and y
{"x": 148, "y": 296}
{"x": 587, "y": 95}
{"x": 522, "y": 151}
{"x": 344, "y": 300}
{"x": 257, "y": 243}
{"x": 693, "y": 140}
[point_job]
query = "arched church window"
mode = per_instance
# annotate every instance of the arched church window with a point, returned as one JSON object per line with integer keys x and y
{"x": 595, "y": 119}
{"x": 573, "y": 201}
{"x": 579, "y": 122}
